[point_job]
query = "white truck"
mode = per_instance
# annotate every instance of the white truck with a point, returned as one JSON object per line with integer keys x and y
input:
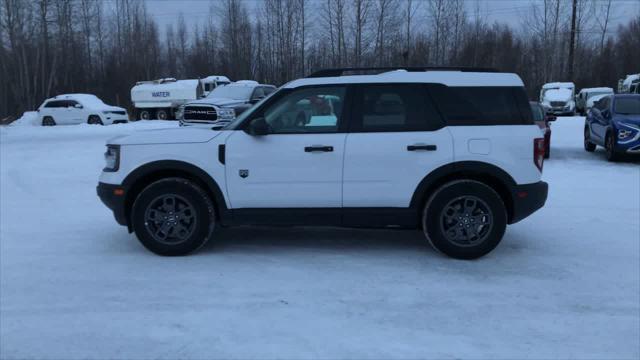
{"x": 558, "y": 98}
{"x": 629, "y": 85}
{"x": 160, "y": 99}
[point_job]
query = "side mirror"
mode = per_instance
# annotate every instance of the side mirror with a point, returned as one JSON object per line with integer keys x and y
{"x": 77, "y": 106}
{"x": 258, "y": 127}
{"x": 256, "y": 100}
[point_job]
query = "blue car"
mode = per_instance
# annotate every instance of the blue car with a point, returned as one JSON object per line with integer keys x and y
{"x": 614, "y": 123}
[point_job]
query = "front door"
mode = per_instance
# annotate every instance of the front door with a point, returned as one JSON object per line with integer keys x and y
{"x": 299, "y": 164}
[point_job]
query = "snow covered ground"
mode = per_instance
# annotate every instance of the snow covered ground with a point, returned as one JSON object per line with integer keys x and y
{"x": 564, "y": 283}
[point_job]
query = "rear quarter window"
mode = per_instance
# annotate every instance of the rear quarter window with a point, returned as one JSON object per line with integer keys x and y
{"x": 481, "y": 105}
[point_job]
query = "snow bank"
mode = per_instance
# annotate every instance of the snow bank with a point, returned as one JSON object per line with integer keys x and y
{"x": 28, "y": 118}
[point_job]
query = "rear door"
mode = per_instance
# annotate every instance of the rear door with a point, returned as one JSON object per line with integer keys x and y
{"x": 396, "y": 138}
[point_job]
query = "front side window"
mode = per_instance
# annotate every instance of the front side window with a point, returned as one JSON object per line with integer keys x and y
{"x": 55, "y": 104}
{"x": 307, "y": 110}
{"x": 395, "y": 107}
{"x": 71, "y": 103}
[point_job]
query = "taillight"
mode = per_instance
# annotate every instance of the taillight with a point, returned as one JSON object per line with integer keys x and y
{"x": 538, "y": 152}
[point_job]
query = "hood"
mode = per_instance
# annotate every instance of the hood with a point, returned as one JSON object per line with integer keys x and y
{"x": 629, "y": 119}
{"x": 557, "y": 95}
{"x": 221, "y": 102}
{"x": 181, "y": 135}
{"x": 112, "y": 108}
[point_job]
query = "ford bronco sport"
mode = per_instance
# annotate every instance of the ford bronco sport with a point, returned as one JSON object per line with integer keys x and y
{"x": 453, "y": 152}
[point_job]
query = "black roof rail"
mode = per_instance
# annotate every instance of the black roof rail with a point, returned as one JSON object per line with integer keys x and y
{"x": 340, "y": 71}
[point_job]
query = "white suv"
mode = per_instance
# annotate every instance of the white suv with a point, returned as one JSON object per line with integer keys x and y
{"x": 79, "y": 108}
{"x": 453, "y": 152}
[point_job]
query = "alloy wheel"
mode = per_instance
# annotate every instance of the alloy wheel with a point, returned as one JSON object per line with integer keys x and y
{"x": 170, "y": 219}
{"x": 466, "y": 221}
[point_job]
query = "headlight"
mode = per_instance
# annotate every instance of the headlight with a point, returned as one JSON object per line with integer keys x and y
{"x": 623, "y": 134}
{"x": 112, "y": 158}
{"x": 226, "y": 114}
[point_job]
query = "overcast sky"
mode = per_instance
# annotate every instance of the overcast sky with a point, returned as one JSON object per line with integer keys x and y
{"x": 507, "y": 11}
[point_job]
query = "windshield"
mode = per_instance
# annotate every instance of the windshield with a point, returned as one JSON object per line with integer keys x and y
{"x": 596, "y": 93}
{"x": 628, "y": 106}
{"x": 232, "y": 92}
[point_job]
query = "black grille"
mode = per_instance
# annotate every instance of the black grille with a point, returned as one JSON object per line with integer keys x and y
{"x": 118, "y": 112}
{"x": 558, "y": 103}
{"x": 199, "y": 113}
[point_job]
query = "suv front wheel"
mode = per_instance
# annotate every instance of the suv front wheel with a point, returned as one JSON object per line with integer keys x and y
{"x": 173, "y": 217}
{"x": 464, "y": 219}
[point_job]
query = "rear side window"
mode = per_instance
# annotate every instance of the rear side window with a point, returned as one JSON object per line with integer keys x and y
{"x": 482, "y": 105}
{"x": 395, "y": 107}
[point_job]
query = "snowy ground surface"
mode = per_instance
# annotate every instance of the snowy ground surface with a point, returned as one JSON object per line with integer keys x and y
{"x": 563, "y": 283}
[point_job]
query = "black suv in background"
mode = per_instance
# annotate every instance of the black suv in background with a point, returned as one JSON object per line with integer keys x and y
{"x": 224, "y": 103}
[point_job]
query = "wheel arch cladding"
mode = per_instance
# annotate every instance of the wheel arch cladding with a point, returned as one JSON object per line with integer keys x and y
{"x": 146, "y": 174}
{"x": 489, "y": 174}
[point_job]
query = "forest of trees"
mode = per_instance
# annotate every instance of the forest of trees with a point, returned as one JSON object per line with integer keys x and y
{"x": 48, "y": 47}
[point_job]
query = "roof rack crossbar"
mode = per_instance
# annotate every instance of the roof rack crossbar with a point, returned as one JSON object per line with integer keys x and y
{"x": 340, "y": 71}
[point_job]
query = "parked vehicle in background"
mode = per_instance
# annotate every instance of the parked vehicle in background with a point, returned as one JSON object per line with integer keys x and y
{"x": 585, "y": 94}
{"x": 452, "y": 152}
{"x": 558, "y": 97}
{"x": 79, "y": 108}
{"x": 629, "y": 85}
{"x": 592, "y": 100}
{"x": 225, "y": 103}
{"x": 614, "y": 123}
{"x": 542, "y": 119}
{"x": 160, "y": 99}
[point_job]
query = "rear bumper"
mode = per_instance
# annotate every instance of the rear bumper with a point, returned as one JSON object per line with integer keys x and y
{"x": 108, "y": 194}
{"x": 527, "y": 199}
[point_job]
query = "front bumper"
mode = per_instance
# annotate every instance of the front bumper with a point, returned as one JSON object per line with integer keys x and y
{"x": 113, "y": 197}
{"x": 527, "y": 199}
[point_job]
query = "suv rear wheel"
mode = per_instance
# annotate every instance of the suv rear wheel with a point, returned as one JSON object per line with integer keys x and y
{"x": 173, "y": 217}
{"x": 48, "y": 121}
{"x": 464, "y": 219}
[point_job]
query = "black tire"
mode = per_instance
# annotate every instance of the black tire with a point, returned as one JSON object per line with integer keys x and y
{"x": 610, "y": 150}
{"x": 48, "y": 121}
{"x": 94, "y": 120}
{"x": 145, "y": 114}
{"x": 588, "y": 145}
{"x": 186, "y": 222}
{"x": 440, "y": 221}
{"x": 162, "y": 114}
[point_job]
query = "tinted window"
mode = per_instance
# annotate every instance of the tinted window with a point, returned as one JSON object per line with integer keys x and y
{"x": 395, "y": 107}
{"x": 70, "y": 103}
{"x": 55, "y": 104}
{"x": 482, "y": 105}
{"x": 630, "y": 105}
{"x": 307, "y": 110}
{"x": 268, "y": 90}
{"x": 538, "y": 112}
{"x": 258, "y": 93}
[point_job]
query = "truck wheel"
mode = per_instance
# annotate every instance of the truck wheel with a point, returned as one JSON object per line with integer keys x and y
{"x": 162, "y": 114}
{"x": 144, "y": 114}
{"x": 48, "y": 121}
{"x": 173, "y": 217}
{"x": 94, "y": 120}
{"x": 464, "y": 219}
{"x": 588, "y": 145}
